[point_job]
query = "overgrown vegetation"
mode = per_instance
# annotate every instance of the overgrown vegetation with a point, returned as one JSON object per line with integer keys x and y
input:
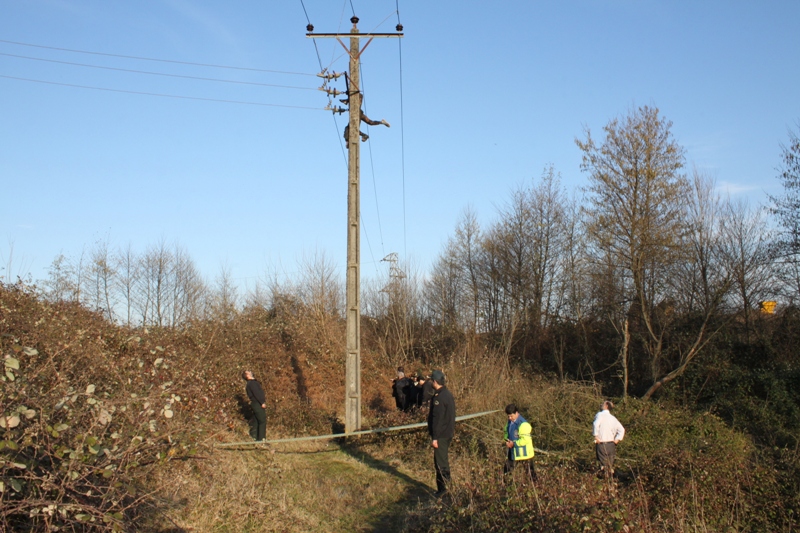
{"x": 109, "y": 428}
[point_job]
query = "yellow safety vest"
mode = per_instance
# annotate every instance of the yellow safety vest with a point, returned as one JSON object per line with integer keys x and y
{"x": 523, "y": 446}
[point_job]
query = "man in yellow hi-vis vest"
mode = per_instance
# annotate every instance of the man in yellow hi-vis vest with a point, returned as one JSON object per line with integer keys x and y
{"x": 519, "y": 442}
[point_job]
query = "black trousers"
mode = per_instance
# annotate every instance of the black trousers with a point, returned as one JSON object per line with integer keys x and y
{"x": 441, "y": 463}
{"x": 606, "y": 452}
{"x": 258, "y": 426}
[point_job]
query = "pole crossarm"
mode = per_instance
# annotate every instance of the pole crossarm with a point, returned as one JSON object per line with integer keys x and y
{"x": 351, "y": 434}
{"x": 348, "y": 35}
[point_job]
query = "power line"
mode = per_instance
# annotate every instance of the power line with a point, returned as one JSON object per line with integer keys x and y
{"x": 399, "y": 27}
{"x": 305, "y": 11}
{"x": 310, "y": 28}
{"x": 402, "y": 143}
{"x": 372, "y": 169}
{"x": 338, "y": 30}
{"x": 154, "y": 59}
{"x": 158, "y": 73}
{"x": 374, "y": 186}
{"x": 160, "y": 94}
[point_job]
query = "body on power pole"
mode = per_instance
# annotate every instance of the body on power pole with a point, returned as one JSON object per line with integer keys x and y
{"x": 353, "y": 281}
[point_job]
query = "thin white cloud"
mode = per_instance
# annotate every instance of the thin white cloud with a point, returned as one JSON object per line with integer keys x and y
{"x": 205, "y": 19}
{"x": 736, "y": 188}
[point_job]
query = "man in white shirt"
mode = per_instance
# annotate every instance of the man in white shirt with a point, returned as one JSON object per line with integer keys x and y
{"x": 607, "y": 433}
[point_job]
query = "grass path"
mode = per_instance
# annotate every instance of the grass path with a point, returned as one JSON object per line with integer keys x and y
{"x": 321, "y": 487}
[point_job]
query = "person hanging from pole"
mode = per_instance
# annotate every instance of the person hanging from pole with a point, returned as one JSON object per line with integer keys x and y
{"x": 364, "y": 136}
{"x": 363, "y": 117}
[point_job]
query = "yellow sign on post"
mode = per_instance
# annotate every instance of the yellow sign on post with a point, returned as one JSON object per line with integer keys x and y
{"x": 768, "y": 307}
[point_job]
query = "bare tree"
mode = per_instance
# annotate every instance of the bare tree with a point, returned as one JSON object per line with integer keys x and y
{"x": 170, "y": 290}
{"x": 701, "y": 279}
{"x": 548, "y": 241}
{"x": 637, "y": 195}
{"x": 188, "y": 290}
{"x": 128, "y": 268}
{"x": 322, "y": 294}
{"x": 223, "y": 298}
{"x": 153, "y": 290}
{"x": 466, "y": 253}
{"x": 60, "y": 284}
{"x": 528, "y": 244}
{"x": 101, "y": 281}
{"x": 748, "y": 257}
{"x": 443, "y": 289}
{"x": 572, "y": 288}
{"x": 786, "y": 208}
{"x": 320, "y": 289}
{"x": 700, "y": 275}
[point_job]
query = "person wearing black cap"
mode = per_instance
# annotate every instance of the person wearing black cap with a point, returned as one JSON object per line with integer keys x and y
{"x": 441, "y": 427}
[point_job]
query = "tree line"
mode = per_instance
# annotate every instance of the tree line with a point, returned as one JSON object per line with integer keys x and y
{"x": 637, "y": 271}
{"x": 630, "y": 277}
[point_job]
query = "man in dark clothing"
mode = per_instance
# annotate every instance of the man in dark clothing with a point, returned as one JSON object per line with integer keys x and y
{"x": 441, "y": 427}
{"x": 403, "y": 390}
{"x": 398, "y": 389}
{"x": 427, "y": 392}
{"x": 258, "y": 401}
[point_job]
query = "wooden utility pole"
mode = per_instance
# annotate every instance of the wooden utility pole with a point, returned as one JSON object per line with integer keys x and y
{"x": 352, "y": 407}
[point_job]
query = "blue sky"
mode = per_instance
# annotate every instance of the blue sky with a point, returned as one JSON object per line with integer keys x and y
{"x": 492, "y": 93}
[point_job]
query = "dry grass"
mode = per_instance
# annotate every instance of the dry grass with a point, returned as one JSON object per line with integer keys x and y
{"x": 319, "y": 486}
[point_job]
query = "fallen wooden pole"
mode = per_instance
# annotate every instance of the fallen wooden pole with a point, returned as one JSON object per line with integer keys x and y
{"x": 351, "y": 434}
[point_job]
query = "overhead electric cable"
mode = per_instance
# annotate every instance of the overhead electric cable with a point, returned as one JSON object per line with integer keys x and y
{"x": 154, "y": 59}
{"x": 305, "y": 11}
{"x": 161, "y": 95}
{"x": 402, "y": 145}
{"x": 369, "y": 245}
{"x": 339, "y": 29}
{"x": 310, "y": 27}
{"x": 159, "y": 73}
{"x": 378, "y": 25}
{"x": 341, "y": 144}
{"x": 372, "y": 169}
{"x": 374, "y": 187}
{"x": 372, "y": 161}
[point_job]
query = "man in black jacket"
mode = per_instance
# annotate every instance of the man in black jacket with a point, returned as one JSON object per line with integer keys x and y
{"x": 441, "y": 427}
{"x": 258, "y": 401}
